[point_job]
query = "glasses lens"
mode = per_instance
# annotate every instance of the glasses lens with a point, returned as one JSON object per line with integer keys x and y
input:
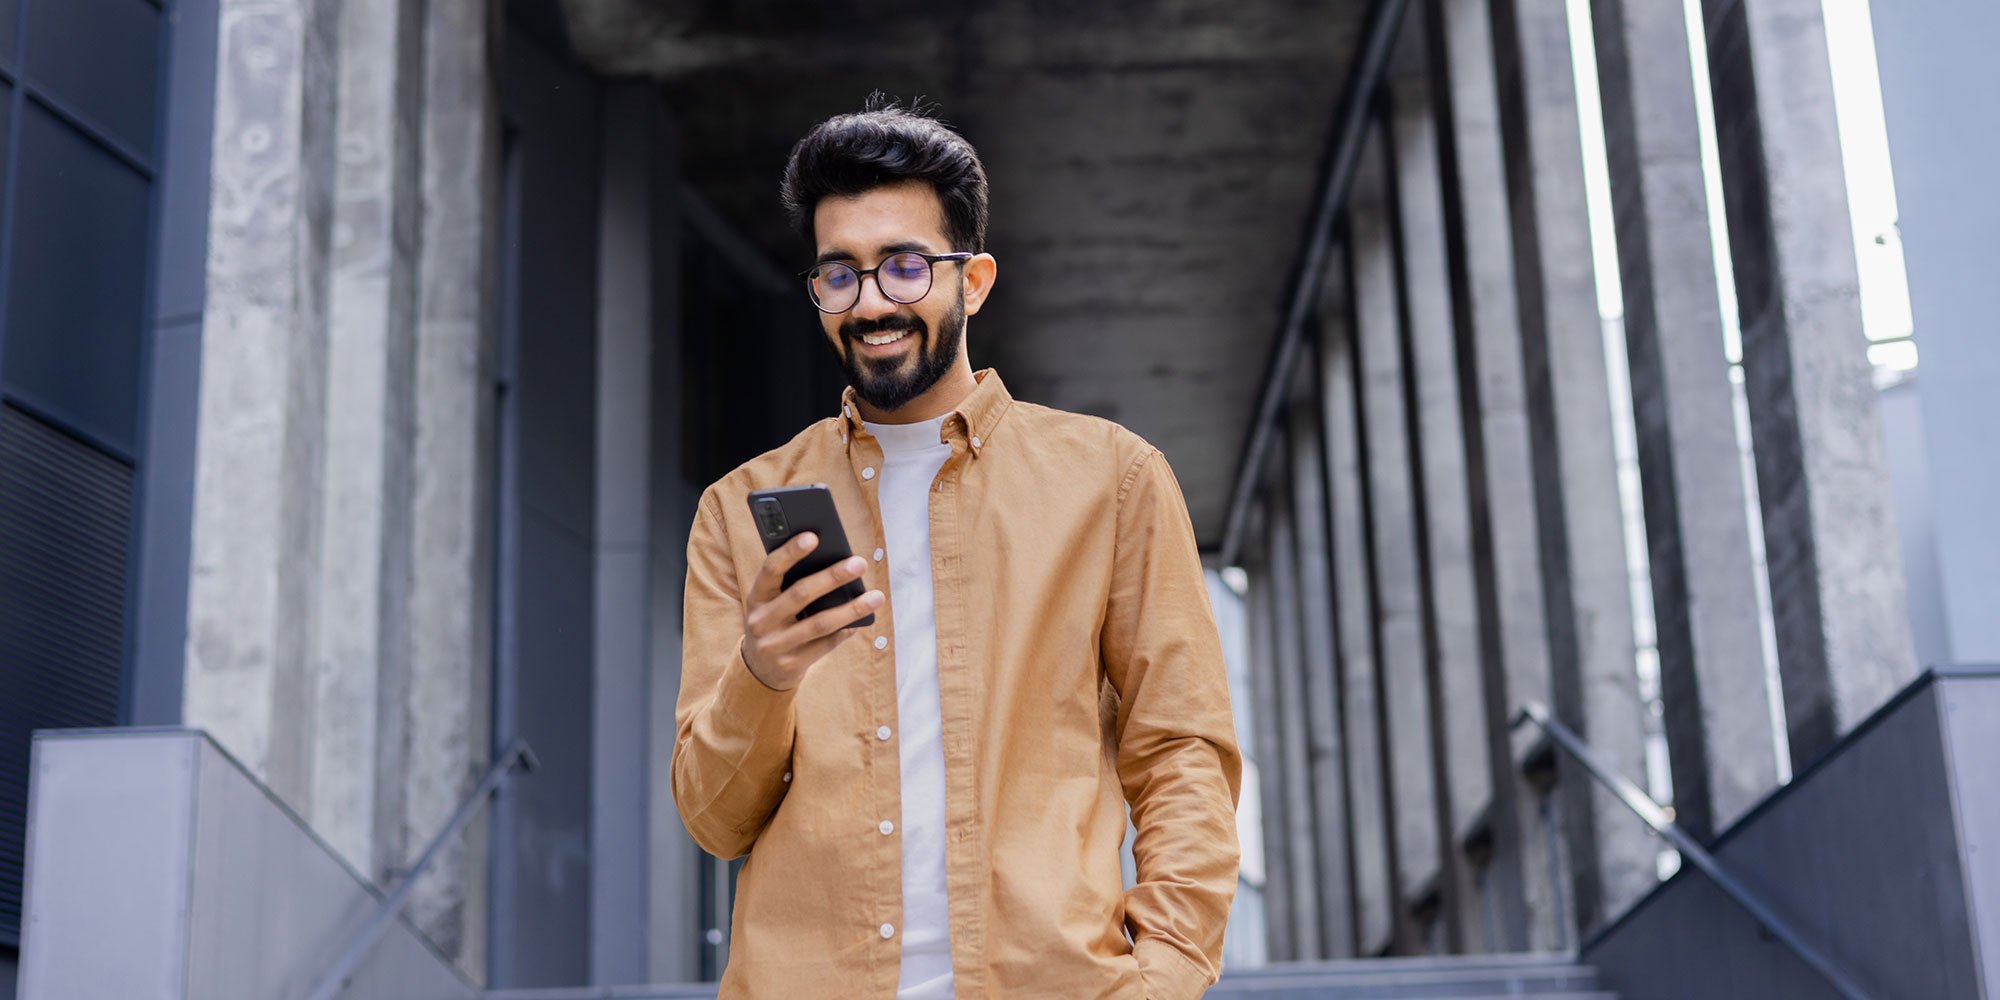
{"x": 905, "y": 277}
{"x": 834, "y": 287}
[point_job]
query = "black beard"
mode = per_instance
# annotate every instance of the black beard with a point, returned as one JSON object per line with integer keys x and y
{"x": 881, "y": 384}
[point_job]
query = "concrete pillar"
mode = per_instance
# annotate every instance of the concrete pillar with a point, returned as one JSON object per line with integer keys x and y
{"x": 361, "y": 654}
{"x": 1354, "y": 619}
{"x": 1837, "y": 593}
{"x": 1301, "y": 822}
{"x": 1392, "y": 511}
{"x": 1322, "y": 671}
{"x": 261, "y": 424}
{"x": 451, "y": 586}
{"x": 1505, "y": 537}
{"x": 1444, "y": 533}
{"x": 1938, "y": 81}
{"x": 1718, "y": 713}
{"x": 1282, "y": 935}
{"x": 1591, "y": 645}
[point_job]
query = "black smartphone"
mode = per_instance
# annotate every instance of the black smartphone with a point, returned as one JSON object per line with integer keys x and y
{"x": 783, "y": 513}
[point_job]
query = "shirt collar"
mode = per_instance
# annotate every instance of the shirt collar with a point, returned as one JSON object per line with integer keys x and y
{"x": 973, "y": 421}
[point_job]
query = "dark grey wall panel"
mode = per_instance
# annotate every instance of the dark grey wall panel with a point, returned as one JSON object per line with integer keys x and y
{"x": 10, "y": 14}
{"x": 76, "y": 286}
{"x": 540, "y": 927}
{"x": 114, "y": 87}
{"x": 1857, "y": 854}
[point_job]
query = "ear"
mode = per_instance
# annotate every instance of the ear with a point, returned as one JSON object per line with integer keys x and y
{"x": 979, "y": 274}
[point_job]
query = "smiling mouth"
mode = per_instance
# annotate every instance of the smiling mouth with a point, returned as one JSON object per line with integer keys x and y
{"x": 885, "y": 338}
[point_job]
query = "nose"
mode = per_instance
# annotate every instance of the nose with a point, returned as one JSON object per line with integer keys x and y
{"x": 869, "y": 302}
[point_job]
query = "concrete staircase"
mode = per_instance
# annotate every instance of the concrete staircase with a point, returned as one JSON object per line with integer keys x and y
{"x": 1549, "y": 977}
{"x": 1546, "y": 977}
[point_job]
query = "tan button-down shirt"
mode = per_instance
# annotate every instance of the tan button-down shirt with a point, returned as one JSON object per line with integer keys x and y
{"x": 1078, "y": 671}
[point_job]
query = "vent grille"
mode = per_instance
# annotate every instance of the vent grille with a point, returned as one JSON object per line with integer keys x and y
{"x": 65, "y": 514}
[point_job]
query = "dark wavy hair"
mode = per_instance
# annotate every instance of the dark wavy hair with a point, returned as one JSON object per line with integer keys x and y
{"x": 883, "y": 144}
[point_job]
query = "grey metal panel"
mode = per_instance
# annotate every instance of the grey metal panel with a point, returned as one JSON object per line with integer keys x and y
{"x": 622, "y": 657}
{"x": 271, "y": 905}
{"x": 161, "y": 869}
{"x": 110, "y": 861}
{"x": 1971, "y": 710}
{"x": 1904, "y": 431}
{"x": 1938, "y": 81}
{"x": 1857, "y": 853}
{"x": 172, "y": 381}
{"x": 542, "y": 872}
{"x": 675, "y": 940}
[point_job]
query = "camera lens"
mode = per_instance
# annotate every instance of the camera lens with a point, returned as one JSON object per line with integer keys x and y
{"x": 771, "y": 517}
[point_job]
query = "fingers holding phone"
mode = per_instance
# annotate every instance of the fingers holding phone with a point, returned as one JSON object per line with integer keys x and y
{"x": 807, "y": 595}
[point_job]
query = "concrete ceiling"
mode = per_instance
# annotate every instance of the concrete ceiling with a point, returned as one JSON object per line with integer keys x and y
{"x": 1152, "y": 163}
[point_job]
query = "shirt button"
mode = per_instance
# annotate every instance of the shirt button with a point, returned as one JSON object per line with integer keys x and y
{"x": 887, "y": 828}
{"x": 881, "y": 732}
{"x": 888, "y": 931}
{"x": 975, "y": 441}
{"x": 881, "y": 642}
{"x": 878, "y": 555}
{"x": 868, "y": 472}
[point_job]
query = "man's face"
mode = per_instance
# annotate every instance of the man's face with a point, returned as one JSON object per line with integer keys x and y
{"x": 894, "y": 352}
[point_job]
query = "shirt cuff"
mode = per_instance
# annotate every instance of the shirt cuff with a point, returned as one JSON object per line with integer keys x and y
{"x": 745, "y": 705}
{"x": 1167, "y": 973}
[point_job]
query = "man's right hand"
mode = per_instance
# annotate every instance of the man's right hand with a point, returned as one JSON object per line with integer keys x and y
{"x": 777, "y": 647}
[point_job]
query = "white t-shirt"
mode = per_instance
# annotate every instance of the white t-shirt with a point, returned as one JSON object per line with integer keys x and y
{"x": 911, "y": 457}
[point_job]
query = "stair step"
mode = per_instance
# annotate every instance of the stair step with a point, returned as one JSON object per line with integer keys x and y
{"x": 1482, "y": 977}
{"x": 1302, "y": 992}
{"x": 1432, "y": 978}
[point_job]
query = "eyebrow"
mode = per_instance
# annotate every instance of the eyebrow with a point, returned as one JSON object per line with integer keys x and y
{"x": 840, "y": 254}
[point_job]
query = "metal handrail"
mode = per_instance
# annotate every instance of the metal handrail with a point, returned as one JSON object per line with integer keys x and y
{"x": 1657, "y": 817}
{"x": 517, "y": 758}
{"x": 1343, "y": 156}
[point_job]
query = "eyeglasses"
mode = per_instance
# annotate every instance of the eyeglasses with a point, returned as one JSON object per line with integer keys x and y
{"x": 903, "y": 278}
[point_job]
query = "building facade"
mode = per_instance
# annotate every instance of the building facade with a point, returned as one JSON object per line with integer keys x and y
{"x": 361, "y": 363}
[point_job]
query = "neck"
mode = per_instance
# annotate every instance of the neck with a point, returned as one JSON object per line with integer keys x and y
{"x": 936, "y": 401}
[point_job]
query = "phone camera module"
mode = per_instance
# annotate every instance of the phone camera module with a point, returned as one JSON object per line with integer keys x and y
{"x": 771, "y": 517}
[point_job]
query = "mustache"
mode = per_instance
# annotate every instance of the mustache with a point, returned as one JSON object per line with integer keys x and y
{"x": 855, "y": 329}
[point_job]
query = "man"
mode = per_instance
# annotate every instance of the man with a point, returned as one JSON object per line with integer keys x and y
{"x": 932, "y": 805}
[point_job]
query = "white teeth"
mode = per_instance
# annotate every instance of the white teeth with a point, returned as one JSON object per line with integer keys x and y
{"x": 878, "y": 339}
